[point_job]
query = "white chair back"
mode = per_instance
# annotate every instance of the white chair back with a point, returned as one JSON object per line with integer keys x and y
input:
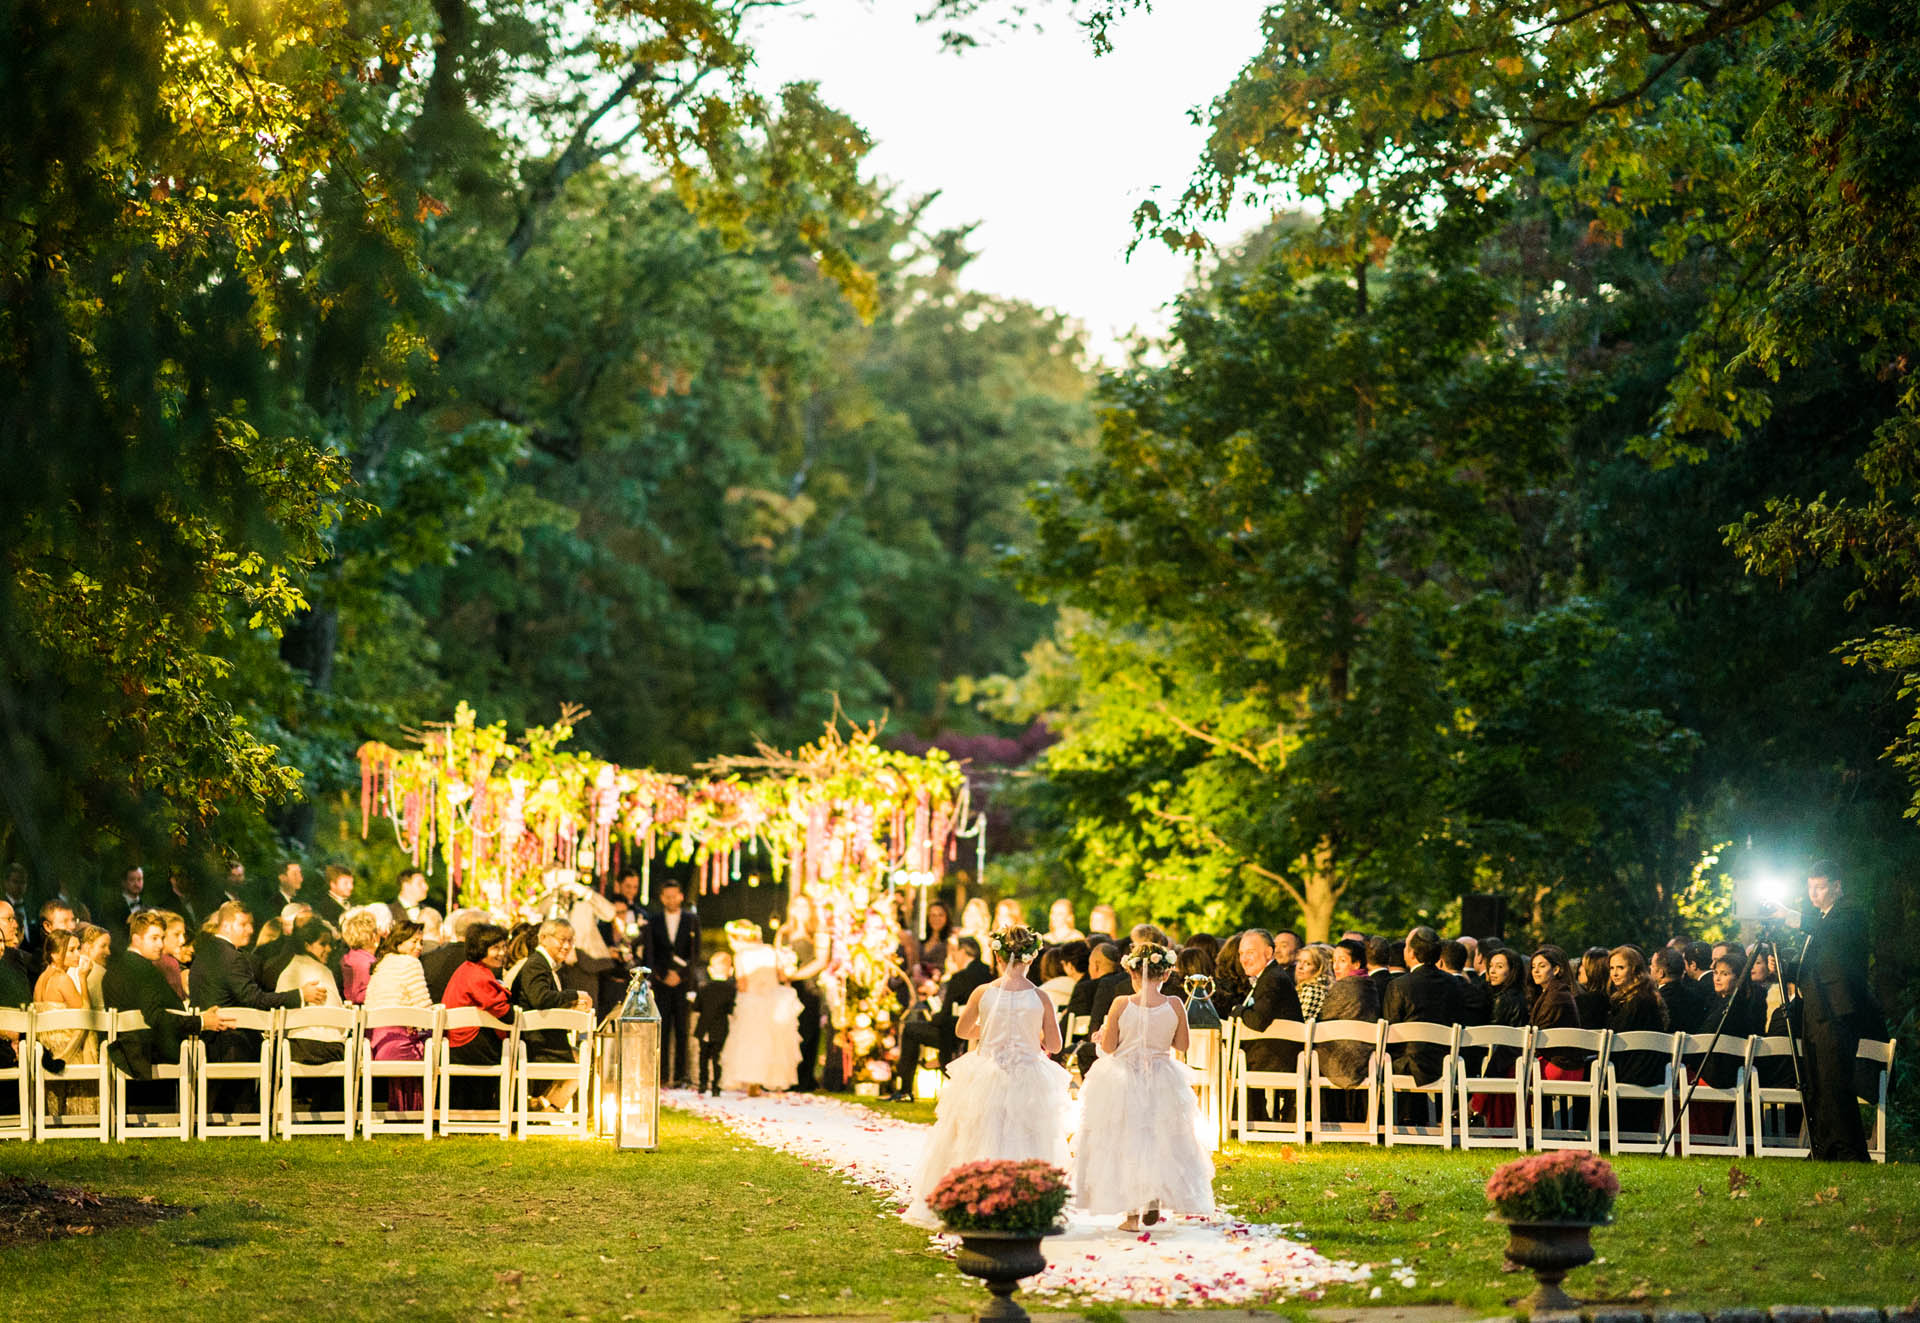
{"x": 574, "y": 1118}
{"x": 1574, "y": 1104}
{"x": 1662, "y": 1091}
{"x": 1696, "y": 1133}
{"x": 70, "y": 1085}
{"x": 1435, "y": 1098}
{"x": 153, "y": 1123}
{"x": 1880, "y": 1054}
{"x": 1777, "y": 1111}
{"x": 424, "y": 1021}
{"x": 1478, "y": 1044}
{"x": 16, "y": 1081}
{"x": 1327, "y": 1033}
{"x": 256, "y": 1070}
{"x": 1278, "y": 1083}
{"x": 489, "y": 1121}
{"x": 317, "y": 1024}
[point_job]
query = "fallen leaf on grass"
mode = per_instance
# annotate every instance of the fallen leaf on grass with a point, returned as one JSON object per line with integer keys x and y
{"x": 513, "y": 1277}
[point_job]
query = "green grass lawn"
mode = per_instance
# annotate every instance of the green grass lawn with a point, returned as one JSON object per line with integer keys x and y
{"x": 1795, "y": 1233}
{"x": 711, "y": 1228}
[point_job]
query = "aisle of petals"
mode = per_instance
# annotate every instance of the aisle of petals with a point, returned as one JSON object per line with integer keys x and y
{"x": 1182, "y": 1261}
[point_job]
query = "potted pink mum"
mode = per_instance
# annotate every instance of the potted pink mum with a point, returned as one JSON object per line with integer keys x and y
{"x": 1001, "y": 1210}
{"x": 1551, "y": 1203}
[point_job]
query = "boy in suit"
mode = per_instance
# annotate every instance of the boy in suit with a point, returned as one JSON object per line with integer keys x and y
{"x": 713, "y": 1005}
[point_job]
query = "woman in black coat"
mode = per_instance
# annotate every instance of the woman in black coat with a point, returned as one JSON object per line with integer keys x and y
{"x": 1553, "y": 1008}
{"x": 1633, "y": 1007}
{"x": 1590, "y": 990}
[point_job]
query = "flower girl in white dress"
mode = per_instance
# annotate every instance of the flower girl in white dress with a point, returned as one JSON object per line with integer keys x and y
{"x": 1138, "y": 1150}
{"x": 1006, "y": 1098}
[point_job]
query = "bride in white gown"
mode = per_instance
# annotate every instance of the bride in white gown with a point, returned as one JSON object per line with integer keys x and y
{"x": 1006, "y": 1098}
{"x": 763, "y": 1034}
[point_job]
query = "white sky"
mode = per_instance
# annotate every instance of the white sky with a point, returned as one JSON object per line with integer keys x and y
{"x": 1045, "y": 145}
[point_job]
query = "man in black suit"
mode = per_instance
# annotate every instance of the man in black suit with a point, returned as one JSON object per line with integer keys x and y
{"x": 118, "y": 907}
{"x": 133, "y": 982}
{"x": 672, "y": 940}
{"x": 940, "y": 1031}
{"x": 1110, "y": 983}
{"x": 1686, "y": 1004}
{"x": 1271, "y": 999}
{"x": 16, "y": 971}
{"x": 222, "y": 975}
{"x": 1380, "y": 966}
{"x": 439, "y": 963}
{"x": 1837, "y": 1010}
{"x": 1425, "y": 994}
{"x": 333, "y": 904}
{"x": 1476, "y": 998}
{"x": 539, "y": 987}
{"x": 265, "y": 902}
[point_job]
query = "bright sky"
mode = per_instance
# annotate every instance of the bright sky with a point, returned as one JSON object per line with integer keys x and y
{"x": 1049, "y": 148}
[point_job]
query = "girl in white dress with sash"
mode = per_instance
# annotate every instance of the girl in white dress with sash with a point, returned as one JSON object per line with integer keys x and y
{"x": 1006, "y": 1098}
{"x": 1138, "y": 1149}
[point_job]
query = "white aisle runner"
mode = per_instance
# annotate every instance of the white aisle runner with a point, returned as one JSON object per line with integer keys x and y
{"x": 1182, "y": 1261}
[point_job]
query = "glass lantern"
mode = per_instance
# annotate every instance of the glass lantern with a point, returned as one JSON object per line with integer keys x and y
{"x": 629, "y": 1070}
{"x": 1206, "y": 1058}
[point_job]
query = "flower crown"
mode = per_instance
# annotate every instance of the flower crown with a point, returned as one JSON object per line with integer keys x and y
{"x": 1019, "y": 945}
{"x": 1148, "y": 959}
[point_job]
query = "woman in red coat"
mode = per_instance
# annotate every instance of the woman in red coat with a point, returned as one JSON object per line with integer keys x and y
{"x": 477, "y": 983}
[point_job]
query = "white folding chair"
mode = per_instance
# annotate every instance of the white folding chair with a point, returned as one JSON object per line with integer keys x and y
{"x": 467, "y": 1121}
{"x": 325, "y": 1022}
{"x": 385, "y": 1120}
{"x": 97, "y": 1125}
{"x": 1325, "y": 1034}
{"x": 1566, "y": 1098}
{"x": 256, "y": 1070}
{"x": 574, "y": 1118}
{"x": 1662, "y": 1092}
{"x": 1437, "y": 1129}
{"x": 1882, "y": 1055}
{"x": 152, "y": 1124}
{"x": 1734, "y": 1140}
{"x": 1486, "y": 1039}
{"x": 1277, "y": 1083}
{"x": 16, "y": 1115}
{"x": 1776, "y": 1108}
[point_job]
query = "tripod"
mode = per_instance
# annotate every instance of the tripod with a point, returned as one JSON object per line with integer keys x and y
{"x": 1742, "y": 987}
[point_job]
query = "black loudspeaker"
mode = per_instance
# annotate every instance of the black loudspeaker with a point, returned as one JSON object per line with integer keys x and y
{"x": 1483, "y": 915}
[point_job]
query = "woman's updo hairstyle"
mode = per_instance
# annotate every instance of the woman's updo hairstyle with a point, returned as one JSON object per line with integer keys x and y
{"x": 1016, "y": 944}
{"x": 1149, "y": 960}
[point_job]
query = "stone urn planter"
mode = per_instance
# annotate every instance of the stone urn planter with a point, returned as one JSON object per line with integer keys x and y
{"x": 1549, "y": 1250}
{"x": 1002, "y": 1260}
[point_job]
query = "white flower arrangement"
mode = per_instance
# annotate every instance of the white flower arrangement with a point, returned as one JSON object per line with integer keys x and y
{"x": 1149, "y": 960}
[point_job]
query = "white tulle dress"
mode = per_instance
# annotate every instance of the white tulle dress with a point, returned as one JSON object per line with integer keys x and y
{"x": 763, "y": 1034}
{"x": 1139, "y": 1136}
{"x": 1004, "y": 1099}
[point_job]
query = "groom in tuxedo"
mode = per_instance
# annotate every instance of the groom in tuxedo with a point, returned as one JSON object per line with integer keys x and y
{"x": 672, "y": 940}
{"x": 1273, "y": 998}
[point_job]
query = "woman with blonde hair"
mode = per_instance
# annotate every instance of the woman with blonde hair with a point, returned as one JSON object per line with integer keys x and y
{"x": 1312, "y": 976}
{"x": 976, "y": 920}
{"x": 360, "y": 933}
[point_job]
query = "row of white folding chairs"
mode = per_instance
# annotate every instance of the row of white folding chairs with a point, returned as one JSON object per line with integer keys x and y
{"x": 275, "y": 1071}
{"x": 1548, "y": 1112}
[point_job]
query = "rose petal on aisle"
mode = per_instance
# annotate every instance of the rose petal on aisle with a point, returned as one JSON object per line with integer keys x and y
{"x": 1184, "y": 1260}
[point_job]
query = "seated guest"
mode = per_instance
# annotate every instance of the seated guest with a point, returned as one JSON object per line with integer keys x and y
{"x": 1191, "y": 963}
{"x": 1684, "y": 1000}
{"x": 431, "y": 934}
{"x": 1207, "y": 943}
{"x": 176, "y": 954}
{"x": 360, "y": 934}
{"x": 134, "y": 982}
{"x": 1054, "y": 979}
{"x": 398, "y": 981}
{"x": 1553, "y": 1008}
{"x": 62, "y": 987}
{"x": 940, "y": 1030}
{"x": 713, "y": 1011}
{"x": 1475, "y": 999}
{"x": 1381, "y": 958}
{"x": 439, "y": 963}
{"x": 1508, "y": 1010}
{"x": 939, "y": 935}
{"x": 476, "y": 982}
{"x": 1735, "y": 1000}
{"x": 1351, "y": 995}
{"x": 1230, "y": 983}
{"x": 271, "y": 953}
{"x": 1699, "y": 958}
{"x": 1009, "y": 913}
{"x": 1590, "y": 1001}
{"x": 1103, "y": 923}
{"x": 16, "y": 972}
{"x": 1312, "y": 976}
{"x": 1060, "y": 925}
{"x": 1425, "y": 994}
{"x": 222, "y": 975}
{"x": 1077, "y": 957}
{"x": 1635, "y": 1007}
{"x": 1272, "y": 999}
{"x": 541, "y": 987}
{"x": 1110, "y": 984}
{"x": 309, "y": 962}
{"x": 96, "y": 945}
